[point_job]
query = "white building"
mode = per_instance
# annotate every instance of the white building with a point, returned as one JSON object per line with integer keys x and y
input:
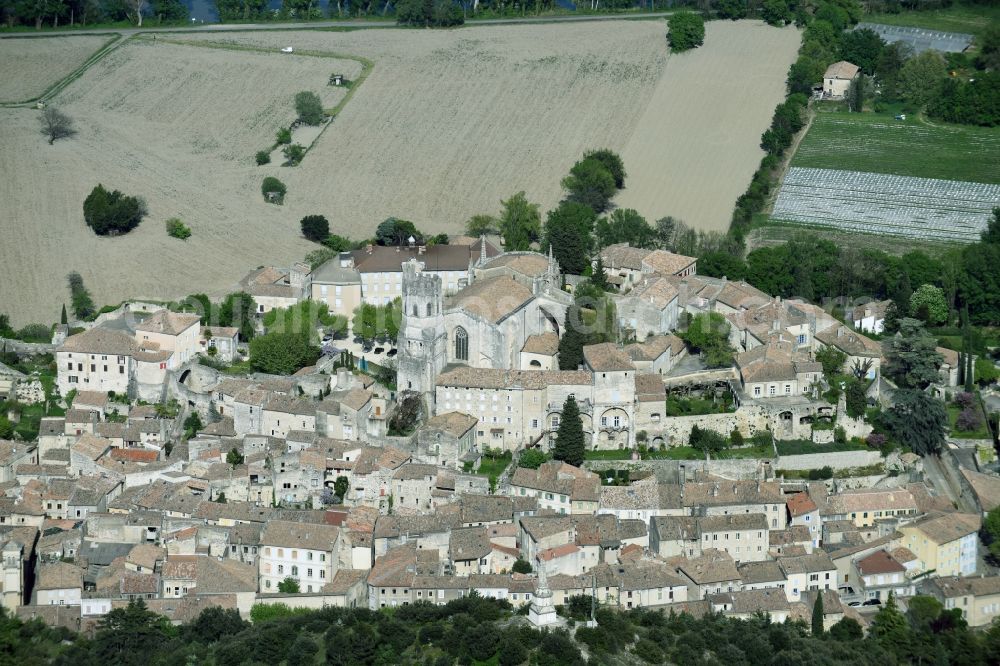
{"x": 307, "y": 552}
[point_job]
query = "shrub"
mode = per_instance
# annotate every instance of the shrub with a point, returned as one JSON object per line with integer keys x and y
{"x": 263, "y": 156}
{"x": 294, "y": 154}
{"x": 315, "y": 227}
{"x": 273, "y": 190}
{"x": 969, "y": 420}
{"x": 177, "y": 229}
{"x": 284, "y": 135}
{"x": 80, "y": 299}
{"x": 876, "y": 440}
{"x": 309, "y": 107}
{"x": 964, "y": 399}
{"x": 686, "y": 30}
{"x": 112, "y": 213}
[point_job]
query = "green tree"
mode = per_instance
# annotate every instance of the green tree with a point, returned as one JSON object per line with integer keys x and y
{"x": 192, "y": 424}
{"x": 315, "y": 227}
{"x": 480, "y": 225}
{"x": 112, "y": 213}
{"x": 846, "y": 630}
{"x": 282, "y": 353}
{"x": 685, "y": 30}
{"x": 625, "y": 225}
{"x": 129, "y": 635}
{"x": 234, "y": 458}
{"x": 393, "y": 231}
{"x": 857, "y": 92}
{"x": 890, "y": 63}
{"x": 570, "y": 445}
{"x": 341, "y": 486}
{"x": 572, "y": 341}
{"x": 293, "y": 154}
{"x": 80, "y": 300}
{"x": 863, "y": 48}
{"x": 918, "y": 420}
{"x": 177, "y": 229}
{"x": 708, "y": 333}
{"x": 612, "y": 161}
{"x": 56, "y": 124}
{"x": 817, "y": 618}
{"x": 568, "y": 229}
{"x": 599, "y": 277}
{"x": 274, "y": 190}
{"x": 590, "y": 183}
{"x": 532, "y": 458}
{"x": 63, "y": 319}
{"x": 927, "y": 303}
{"x": 857, "y": 402}
{"x": 262, "y": 157}
{"x": 521, "y": 566}
{"x": 776, "y": 12}
{"x": 921, "y": 76}
{"x": 912, "y": 359}
{"x": 804, "y": 73}
{"x": 309, "y": 107}
{"x": 979, "y": 279}
{"x": 289, "y": 586}
{"x": 990, "y": 532}
{"x": 890, "y": 629}
{"x": 520, "y": 223}
{"x": 731, "y": 9}
{"x": 238, "y": 310}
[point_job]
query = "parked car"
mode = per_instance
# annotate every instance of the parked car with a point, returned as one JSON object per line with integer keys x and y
{"x": 854, "y": 603}
{"x": 379, "y": 350}
{"x": 367, "y": 348}
{"x": 873, "y": 602}
{"x": 391, "y": 353}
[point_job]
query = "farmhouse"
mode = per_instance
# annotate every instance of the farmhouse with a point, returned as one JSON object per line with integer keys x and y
{"x": 837, "y": 79}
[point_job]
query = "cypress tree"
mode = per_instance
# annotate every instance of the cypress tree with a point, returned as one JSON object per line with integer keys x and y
{"x": 600, "y": 279}
{"x": 570, "y": 444}
{"x": 63, "y": 319}
{"x": 572, "y": 341}
{"x": 817, "y": 620}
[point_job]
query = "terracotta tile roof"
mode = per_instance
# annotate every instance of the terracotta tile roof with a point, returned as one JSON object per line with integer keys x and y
{"x": 134, "y": 455}
{"x": 91, "y": 446}
{"x": 654, "y": 347}
{"x": 946, "y": 527}
{"x": 168, "y": 323}
{"x": 650, "y": 388}
{"x": 953, "y": 586}
{"x": 607, "y": 357}
{"x": 800, "y": 504}
{"x": 460, "y": 376}
{"x": 656, "y": 290}
{"x": 530, "y": 264}
{"x": 879, "y": 562}
{"x": 541, "y": 343}
{"x": 986, "y": 487}
{"x": 667, "y": 263}
{"x": 622, "y": 255}
{"x": 842, "y": 70}
{"x": 850, "y": 342}
{"x": 713, "y": 566}
{"x": 455, "y": 424}
{"x": 101, "y": 340}
{"x": 493, "y": 299}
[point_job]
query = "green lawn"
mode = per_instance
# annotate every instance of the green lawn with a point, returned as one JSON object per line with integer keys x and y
{"x": 981, "y": 433}
{"x": 960, "y": 17}
{"x": 492, "y": 466}
{"x": 611, "y": 454}
{"x": 878, "y": 143}
{"x": 796, "y": 447}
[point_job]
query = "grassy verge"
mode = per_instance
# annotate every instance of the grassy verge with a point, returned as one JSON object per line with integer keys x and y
{"x": 877, "y": 143}
{"x": 768, "y": 233}
{"x": 613, "y": 454}
{"x": 796, "y": 447}
{"x": 492, "y": 466}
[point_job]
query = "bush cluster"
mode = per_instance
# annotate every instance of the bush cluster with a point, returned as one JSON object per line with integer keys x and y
{"x": 112, "y": 213}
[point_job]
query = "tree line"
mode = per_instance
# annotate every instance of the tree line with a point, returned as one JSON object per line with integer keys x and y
{"x": 54, "y": 13}
{"x": 478, "y": 630}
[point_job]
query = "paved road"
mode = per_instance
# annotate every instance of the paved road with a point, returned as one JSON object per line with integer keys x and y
{"x": 357, "y": 23}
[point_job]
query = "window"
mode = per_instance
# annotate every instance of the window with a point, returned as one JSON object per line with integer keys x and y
{"x": 756, "y": 391}
{"x": 461, "y": 344}
{"x": 771, "y": 390}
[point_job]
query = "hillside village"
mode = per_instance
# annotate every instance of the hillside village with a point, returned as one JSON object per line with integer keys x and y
{"x": 376, "y": 480}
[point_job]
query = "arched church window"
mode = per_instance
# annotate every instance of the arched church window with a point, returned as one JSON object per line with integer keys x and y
{"x": 461, "y": 344}
{"x": 414, "y": 308}
{"x": 429, "y": 310}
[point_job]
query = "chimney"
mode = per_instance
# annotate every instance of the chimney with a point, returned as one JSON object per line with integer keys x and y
{"x": 421, "y": 249}
{"x": 369, "y": 248}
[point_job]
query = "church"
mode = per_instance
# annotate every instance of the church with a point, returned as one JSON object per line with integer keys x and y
{"x": 510, "y": 298}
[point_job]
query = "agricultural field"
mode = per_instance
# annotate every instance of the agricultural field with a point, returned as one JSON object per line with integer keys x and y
{"x": 943, "y": 210}
{"x": 447, "y": 124}
{"x": 871, "y": 173}
{"x": 29, "y": 66}
{"x": 176, "y": 125}
{"x": 912, "y": 147}
{"x": 971, "y": 18}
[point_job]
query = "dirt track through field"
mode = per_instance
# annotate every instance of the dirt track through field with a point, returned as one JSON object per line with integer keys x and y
{"x": 29, "y": 66}
{"x": 447, "y": 124}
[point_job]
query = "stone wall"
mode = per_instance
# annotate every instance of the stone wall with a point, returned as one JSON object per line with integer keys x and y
{"x": 29, "y": 391}
{"x": 671, "y": 471}
{"x": 834, "y": 460}
{"x": 676, "y": 430}
{"x": 26, "y": 348}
